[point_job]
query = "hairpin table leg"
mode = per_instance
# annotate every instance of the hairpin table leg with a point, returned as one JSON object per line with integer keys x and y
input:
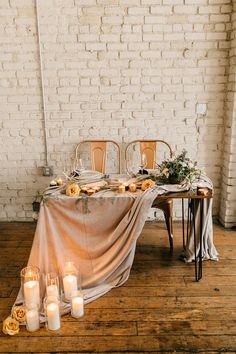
{"x": 189, "y": 218}
{"x": 195, "y": 240}
{"x": 200, "y": 239}
{"x": 183, "y": 226}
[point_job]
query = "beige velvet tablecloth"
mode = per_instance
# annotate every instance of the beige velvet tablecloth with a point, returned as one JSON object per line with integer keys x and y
{"x": 99, "y": 234}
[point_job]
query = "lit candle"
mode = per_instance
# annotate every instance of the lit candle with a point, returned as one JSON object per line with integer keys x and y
{"x": 90, "y": 191}
{"x": 53, "y": 183}
{"x": 132, "y": 187}
{"x": 53, "y": 316}
{"x": 121, "y": 188}
{"x": 52, "y": 290}
{"x": 31, "y": 292}
{"x": 32, "y": 320}
{"x": 59, "y": 182}
{"x": 77, "y": 307}
{"x": 70, "y": 285}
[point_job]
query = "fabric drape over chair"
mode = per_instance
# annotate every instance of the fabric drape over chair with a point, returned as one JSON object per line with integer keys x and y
{"x": 148, "y": 148}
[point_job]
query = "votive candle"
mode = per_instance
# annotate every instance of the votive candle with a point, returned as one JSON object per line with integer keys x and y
{"x": 121, "y": 188}
{"x": 132, "y": 187}
{"x": 90, "y": 191}
{"x": 59, "y": 182}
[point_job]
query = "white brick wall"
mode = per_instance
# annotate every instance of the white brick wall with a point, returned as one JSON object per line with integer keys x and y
{"x": 113, "y": 69}
{"x": 228, "y": 195}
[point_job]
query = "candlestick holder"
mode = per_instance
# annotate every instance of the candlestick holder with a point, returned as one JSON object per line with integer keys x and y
{"x": 52, "y": 313}
{"x": 30, "y": 284}
{"x": 70, "y": 280}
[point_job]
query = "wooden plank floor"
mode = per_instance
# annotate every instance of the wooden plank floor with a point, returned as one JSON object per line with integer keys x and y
{"x": 159, "y": 309}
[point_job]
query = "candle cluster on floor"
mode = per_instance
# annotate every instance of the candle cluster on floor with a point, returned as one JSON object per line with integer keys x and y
{"x": 50, "y": 306}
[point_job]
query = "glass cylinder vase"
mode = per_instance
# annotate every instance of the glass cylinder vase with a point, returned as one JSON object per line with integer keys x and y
{"x": 30, "y": 283}
{"x": 69, "y": 280}
{"x": 32, "y": 318}
{"x": 77, "y": 304}
{"x": 52, "y": 284}
{"x": 52, "y": 313}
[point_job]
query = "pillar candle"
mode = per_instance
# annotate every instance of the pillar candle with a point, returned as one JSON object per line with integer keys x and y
{"x": 52, "y": 290}
{"x": 70, "y": 285}
{"x": 53, "y": 316}
{"x": 77, "y": 307}
{"x": 32, "y": 320}
{"x": 31, "y": 292}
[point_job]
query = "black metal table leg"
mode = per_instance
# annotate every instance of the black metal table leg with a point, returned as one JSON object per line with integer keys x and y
{"x": 183, "y": 226}
{"x": 195, "y": 240}
{"x": 188, "y": 219}
{"x": 200, "y": 239}
{"x": 198, "y": 256}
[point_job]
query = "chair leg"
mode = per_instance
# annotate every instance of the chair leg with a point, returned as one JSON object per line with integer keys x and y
{"x": 168, "y": 219}
{"x": 167, "y": 208}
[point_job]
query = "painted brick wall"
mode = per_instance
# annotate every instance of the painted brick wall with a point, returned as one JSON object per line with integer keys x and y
{"x": 117, "y": 69}
{"x": 228, "y": 195}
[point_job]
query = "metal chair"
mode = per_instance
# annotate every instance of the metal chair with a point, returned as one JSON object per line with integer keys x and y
{"x": 150, "y": 149}
{"x": 98, "y": 153}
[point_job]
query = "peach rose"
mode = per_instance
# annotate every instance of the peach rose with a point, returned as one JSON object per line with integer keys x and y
{"x": 146, "y": 184}
{"x": 73, "y": 190}
{"x": 18, "y": 313}
{"x": 10, "y": 326}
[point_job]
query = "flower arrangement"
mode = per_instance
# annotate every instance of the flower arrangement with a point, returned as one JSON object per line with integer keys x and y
{"x": 178, "y": 169}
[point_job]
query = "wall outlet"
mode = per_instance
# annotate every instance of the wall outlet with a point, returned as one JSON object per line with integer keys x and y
{"x": 47, "y": 171}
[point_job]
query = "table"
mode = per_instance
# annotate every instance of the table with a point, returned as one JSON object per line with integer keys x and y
{"x": 99, "y": 234}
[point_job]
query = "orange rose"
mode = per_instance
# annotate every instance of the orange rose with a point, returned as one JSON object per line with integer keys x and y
{"x": 73, "y": 190}
{"x": 18, "y": 313}
{"x": 146, "y": 184}
{"x": 10, "y": 326}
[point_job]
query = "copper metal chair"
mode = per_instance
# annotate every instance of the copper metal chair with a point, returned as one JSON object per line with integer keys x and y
{"x": 98, "y": 153}
{"x": 150, "y": 149}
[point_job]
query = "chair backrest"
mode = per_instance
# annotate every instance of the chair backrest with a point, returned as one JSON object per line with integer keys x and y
{"x": 98, "y": 153}
{"x": 148, "y": 148}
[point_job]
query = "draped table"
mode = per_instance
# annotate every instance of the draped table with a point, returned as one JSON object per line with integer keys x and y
{"x": 99, "y": 234}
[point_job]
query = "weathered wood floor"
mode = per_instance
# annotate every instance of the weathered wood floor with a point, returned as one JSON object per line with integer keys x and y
{"x": 160, "y": 309}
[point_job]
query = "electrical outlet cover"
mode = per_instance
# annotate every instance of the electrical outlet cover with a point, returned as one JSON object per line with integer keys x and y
{"x": 47, "y": 171}
{"x": 201, "y": 109}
